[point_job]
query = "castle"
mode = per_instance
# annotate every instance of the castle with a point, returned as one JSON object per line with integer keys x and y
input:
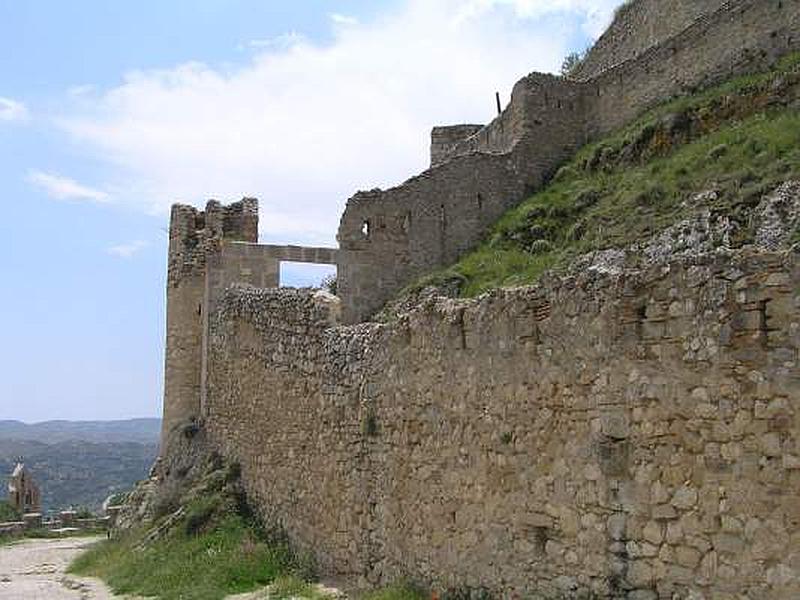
{"x": 590, "y": 437}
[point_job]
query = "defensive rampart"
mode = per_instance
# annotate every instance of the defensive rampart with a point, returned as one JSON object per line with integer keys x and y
{"x": 390, "y": 238}
{"x": 596, "y": 434}
{"x": 638, "y": 26}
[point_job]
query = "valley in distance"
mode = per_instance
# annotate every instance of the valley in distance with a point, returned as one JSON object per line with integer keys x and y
{"x": 78, "y": 464}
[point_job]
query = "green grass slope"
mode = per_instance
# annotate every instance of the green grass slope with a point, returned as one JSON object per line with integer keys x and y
{"x": 740, "y": 139}
{"x": 205, "y": 544}
{"x": 206, "y": 549}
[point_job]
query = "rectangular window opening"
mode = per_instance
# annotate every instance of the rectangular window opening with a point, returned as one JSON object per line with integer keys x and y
{"x": 307, "y": 275}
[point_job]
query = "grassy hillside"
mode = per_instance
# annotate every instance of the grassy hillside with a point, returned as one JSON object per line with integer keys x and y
{"x": 204, "y": 544}
{"x": 740, "y": 139}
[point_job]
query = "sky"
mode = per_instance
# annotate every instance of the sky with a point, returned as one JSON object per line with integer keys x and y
{"x": 112, "y": 111}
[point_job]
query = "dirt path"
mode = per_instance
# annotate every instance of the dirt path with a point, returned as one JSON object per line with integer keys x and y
{"x": 35, "y": 570}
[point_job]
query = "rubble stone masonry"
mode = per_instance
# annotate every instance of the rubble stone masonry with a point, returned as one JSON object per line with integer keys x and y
{"x": 625, "y": 432}
{"x": 631, "y": 435}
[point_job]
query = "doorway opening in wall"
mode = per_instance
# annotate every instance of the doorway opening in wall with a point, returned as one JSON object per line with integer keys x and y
{"x": 300, "y": 275}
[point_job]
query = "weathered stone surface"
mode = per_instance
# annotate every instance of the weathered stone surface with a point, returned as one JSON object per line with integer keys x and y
{"x": 625, "y": 428}
{"x": 401, "y": 446}
{"x": 685, "y": 497}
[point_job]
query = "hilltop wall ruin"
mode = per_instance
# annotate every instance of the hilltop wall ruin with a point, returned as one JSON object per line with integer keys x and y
{"x": 625, "y": 434}
{"x": 390, "y": 238}
{"x": 600, "y": 434}
{"x": 638, "y": 26}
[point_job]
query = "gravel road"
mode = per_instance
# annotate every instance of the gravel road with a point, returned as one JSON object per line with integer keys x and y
{"x": 35, "y": 570}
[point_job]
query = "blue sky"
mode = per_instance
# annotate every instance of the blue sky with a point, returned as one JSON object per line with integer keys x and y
{"x": 110, "y": 111}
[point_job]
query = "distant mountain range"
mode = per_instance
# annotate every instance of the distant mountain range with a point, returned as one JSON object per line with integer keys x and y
{"x": 143, "y": 431}
{"x": 80, "y": 463}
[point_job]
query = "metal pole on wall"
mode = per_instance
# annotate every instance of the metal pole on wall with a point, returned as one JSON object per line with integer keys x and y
{"x": 497, "y": 99}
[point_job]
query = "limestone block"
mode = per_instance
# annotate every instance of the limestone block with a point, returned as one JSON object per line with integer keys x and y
{"x": 664, "y": 512}
{"x": 709, "y": 566}
{"x": 684, "y": 498}
{"x": 727, "y": 543}
{"x": 653, "y": 532}
{"x": 686, "y": 556}
{"x": 674, "y": 532}
{"x": 642, "y": 595}
{"x": 640, "y": 574}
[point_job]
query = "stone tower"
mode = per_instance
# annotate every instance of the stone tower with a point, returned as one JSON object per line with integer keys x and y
{"x": 23, "y": 493}
{"x": 195, "y": 240}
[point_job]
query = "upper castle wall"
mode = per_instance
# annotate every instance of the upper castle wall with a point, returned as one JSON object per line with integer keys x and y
{"x": 740, "y": 37}
{"x": 431, "y": 220}
{"x": 639, "y": 25}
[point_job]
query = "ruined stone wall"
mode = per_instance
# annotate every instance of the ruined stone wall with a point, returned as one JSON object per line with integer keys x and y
{"x": 740, "y": 37}
{"x": 256, "y": 264}
{"x": 237, "y": 262}
{"x": 390, "y": 238}
{"x": 639, "y": 25}
{"x": 600, "y": 433}
{"x": 445, "y": 138}
{"x": 547, "y": 119}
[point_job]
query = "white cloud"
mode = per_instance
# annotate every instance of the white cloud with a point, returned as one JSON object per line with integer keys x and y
{"x": 595, "y": 14}
{"x": 340, "y": 19}
{"x": 302, "y": 125}
{"x": 128, "y": 250}
{"x": 64, "y": 188}
{"x": 280, "y": 42}
{"x": 77, "y": 91}
{"x": 12, "y": 110}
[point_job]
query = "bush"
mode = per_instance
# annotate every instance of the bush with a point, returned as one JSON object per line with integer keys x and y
{"x": 8, "y": 512}
{"x": 571, "y": 63}
{"x": 84, "y": 513}
{"x": 329, "y": 284}
{"x": 467, "y": 593}
{"x": 118, "y": 499}
{"x": 200, "y": 512}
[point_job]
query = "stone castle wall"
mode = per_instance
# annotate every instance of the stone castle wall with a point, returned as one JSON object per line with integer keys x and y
{"x": 612, "y": 434}
{"x": 208, "y": 252}
{"x": 390, "y": 238}
{"x": 624, "y": 435}
{"x": 638, "y": 26}
{"x": 445, "y": 138}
